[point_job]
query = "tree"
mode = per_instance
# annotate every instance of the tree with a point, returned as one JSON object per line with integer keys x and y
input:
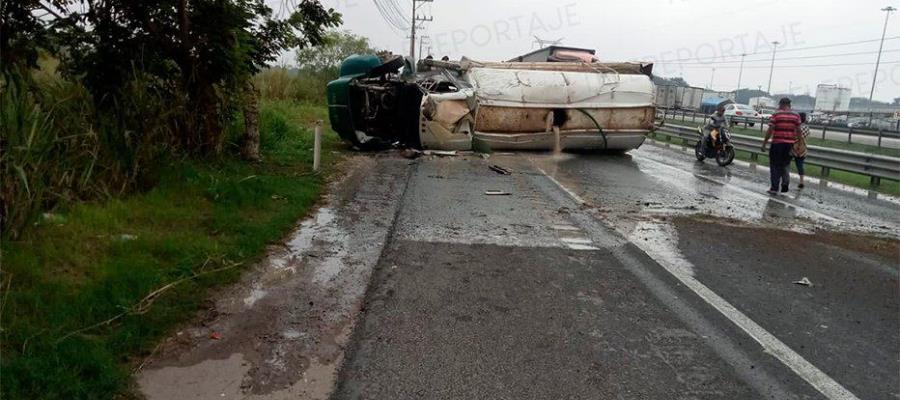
{"x": 897, "y": 101}
{"x": 336, "y": 46}
{"x": 197, "y": 52}
{"x": 676, "y": 81}
{"x": 22, "y": 34}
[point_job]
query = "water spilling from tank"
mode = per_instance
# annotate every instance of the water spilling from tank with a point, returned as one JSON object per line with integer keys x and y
{"x": 557, "y": 145}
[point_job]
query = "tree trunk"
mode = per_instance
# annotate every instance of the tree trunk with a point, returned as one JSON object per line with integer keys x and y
{"x": 250, "y": 146}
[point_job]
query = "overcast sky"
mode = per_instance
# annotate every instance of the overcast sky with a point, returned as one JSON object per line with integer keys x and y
{"x": 684, "y": 37}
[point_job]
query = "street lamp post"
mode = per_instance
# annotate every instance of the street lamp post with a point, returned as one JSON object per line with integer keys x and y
{"x": 772, "y": 67}
{"x": 888, "y": 10}
{"x": 740, "y": 72}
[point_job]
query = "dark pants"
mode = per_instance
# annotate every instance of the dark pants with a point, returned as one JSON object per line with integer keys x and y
{"x": 779, "y": 164}
{"x": 799, "y": 161}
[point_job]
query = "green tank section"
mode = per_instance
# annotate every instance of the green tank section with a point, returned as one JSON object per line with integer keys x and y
{"x": 338, "y": 92}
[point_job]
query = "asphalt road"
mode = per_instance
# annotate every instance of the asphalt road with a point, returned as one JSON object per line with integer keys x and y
{"x": 639, "y": 276}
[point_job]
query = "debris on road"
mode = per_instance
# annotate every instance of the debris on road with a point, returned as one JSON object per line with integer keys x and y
{"x": 442, "y": 153}
{"x": 803, "y": 282}
{"x": 411, "y": 154}
{"x": 500, "y": 170}
{"x": 496, "y": 193}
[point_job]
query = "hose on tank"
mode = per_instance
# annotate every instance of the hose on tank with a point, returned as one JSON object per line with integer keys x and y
{"x": 597, "y": 124}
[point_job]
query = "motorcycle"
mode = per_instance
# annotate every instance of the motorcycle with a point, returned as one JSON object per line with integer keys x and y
{"x": 722, "y": 151}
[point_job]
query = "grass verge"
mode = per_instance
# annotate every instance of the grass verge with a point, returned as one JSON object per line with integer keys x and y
{"x": 812, "y": 140}
{"x": 77, "y": 309}
{"x": 847, "y": 178}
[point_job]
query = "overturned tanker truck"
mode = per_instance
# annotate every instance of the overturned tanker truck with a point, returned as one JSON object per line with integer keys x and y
{"x": 492, "y": 105}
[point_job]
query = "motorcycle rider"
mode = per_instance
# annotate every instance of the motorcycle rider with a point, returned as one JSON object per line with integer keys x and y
{"x": 716, "y": 121}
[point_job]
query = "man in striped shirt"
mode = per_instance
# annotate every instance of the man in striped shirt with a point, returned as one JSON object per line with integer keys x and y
{"x": 784, "y": 129}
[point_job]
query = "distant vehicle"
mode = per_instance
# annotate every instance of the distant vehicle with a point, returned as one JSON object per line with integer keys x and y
{"x": 741, "y": 111}
{"x": 858, "y": 123}
{"x": 839, "y": 121}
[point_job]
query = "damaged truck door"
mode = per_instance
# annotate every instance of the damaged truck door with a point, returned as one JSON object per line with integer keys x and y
{"x": 493, "y": 105}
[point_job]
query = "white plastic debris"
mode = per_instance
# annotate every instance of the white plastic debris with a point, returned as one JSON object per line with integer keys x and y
{"x": 804, "y": 282}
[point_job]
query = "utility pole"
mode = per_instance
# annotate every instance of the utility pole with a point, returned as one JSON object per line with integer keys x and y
{"x": 888, "y": 10}
{"x": 740, "y": 72}
{"x": 772, "y": 67}
{"x": 712, "y": 78}
{"x": 422, "y": 44}
{"x": 413, "y": 25}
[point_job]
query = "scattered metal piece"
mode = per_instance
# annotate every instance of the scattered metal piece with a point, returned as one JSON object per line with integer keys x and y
{"x": 500, "y": 170}
{"x": 804, "y": 282}
{"x": 496, "y": 193}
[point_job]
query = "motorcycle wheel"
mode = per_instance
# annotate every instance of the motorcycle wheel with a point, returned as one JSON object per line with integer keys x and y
{"x": 725, "y": 156}
{"x": 698, "y": 153}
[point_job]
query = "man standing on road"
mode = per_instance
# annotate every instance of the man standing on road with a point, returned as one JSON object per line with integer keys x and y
{"x": 784, "y": 128}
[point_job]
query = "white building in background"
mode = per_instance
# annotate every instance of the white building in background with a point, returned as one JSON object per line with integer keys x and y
{"x": 832, "y": 98}
{"x": 762, "y": 102}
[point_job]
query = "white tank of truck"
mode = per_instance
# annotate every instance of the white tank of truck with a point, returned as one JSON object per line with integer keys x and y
{"x": 529, "y": 106}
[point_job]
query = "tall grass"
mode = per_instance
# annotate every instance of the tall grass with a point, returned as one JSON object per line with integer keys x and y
{"x": 291, "y": 84}
{"x": 97, "y": 261}
{"x": 57, "y": 147}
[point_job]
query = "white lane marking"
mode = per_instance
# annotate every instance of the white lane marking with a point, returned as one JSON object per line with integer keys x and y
{"x": 772, "y": 345}
{"x": 582, "y": 247}
{"x": 565, "y": 228}
{"x": 565, "y": 189}
{"x": 759, "y": 196}
{"x": 576, "y": 241}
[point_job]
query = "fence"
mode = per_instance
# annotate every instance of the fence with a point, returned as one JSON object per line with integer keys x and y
{"x": 876, "y": 167}
{"x": 762, "y": 124}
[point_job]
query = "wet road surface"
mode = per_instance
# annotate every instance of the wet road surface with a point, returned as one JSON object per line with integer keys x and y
{"x": 641, "y": 276}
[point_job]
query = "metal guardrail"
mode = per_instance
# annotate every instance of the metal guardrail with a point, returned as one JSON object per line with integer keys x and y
{"x": 876, "y": 167}
{"x": 851, "y": 131}
{"x": 761, "y": 123}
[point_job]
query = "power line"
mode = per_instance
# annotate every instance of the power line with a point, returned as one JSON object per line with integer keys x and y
{"x": 398, "y": 11}
{"x": 797, "y": 66}
{"x": 391, "y": 16}
{"x": 822, "y": 46}
{"x": 835, "y": 44}
{"x": 710, "y": 63}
